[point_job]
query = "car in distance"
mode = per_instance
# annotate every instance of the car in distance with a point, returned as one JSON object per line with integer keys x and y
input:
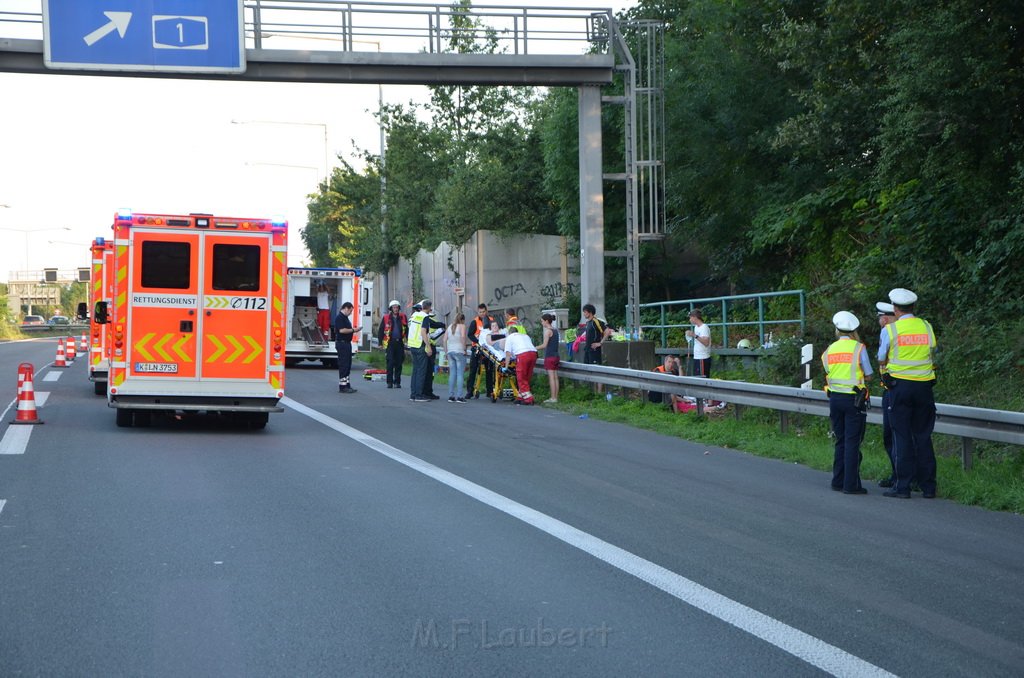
{"x": 59, "y": 320}
{"x": 33, "y": 320}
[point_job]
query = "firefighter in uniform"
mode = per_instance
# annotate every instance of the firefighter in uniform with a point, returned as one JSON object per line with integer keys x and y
{"x": 906, "y": 350}
{"x": 392, "y": 333}
{"x": 482, "y": 321}
{"x": 847, "y": 369}
{"x": 419, "y": 345}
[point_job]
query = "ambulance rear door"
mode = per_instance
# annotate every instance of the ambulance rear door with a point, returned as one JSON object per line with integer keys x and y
{"x": 164, "y": 303}
{"x": 237, "y": 304}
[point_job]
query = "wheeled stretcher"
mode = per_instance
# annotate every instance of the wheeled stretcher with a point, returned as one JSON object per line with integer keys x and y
{"x": 505, "y": 386}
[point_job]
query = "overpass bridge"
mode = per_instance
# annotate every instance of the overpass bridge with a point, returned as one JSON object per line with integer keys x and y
{"x": 434, "y": 44}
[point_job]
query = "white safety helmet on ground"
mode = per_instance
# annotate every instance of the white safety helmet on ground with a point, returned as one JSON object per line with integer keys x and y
{"x": 845, "y": 321}
{"x": 743, "y": 343}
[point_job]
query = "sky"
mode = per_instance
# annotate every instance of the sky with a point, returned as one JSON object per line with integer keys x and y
{"x": 75, "y": 149}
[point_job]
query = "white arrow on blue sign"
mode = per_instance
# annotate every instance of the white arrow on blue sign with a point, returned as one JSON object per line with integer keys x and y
{"x": 184, "y": 36}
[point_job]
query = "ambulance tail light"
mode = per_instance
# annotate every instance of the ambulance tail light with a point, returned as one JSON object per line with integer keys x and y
{"x": 277, "y": 339}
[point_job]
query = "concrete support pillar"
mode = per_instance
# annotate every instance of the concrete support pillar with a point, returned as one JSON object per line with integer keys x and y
{"x": 591, "y": 200}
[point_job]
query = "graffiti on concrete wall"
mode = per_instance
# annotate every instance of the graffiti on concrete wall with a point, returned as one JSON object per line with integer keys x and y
{"x": 507, "y": 291}
{"x": 558, "y": 290}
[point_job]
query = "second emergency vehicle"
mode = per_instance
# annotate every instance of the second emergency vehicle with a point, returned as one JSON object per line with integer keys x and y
{"x": 197, "y": 317}
{"x": 311, "y": 288}
{"x": 101, "y": 289}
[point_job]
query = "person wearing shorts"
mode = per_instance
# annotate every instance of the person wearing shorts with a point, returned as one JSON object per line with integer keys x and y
{"x": 550, "y": 352}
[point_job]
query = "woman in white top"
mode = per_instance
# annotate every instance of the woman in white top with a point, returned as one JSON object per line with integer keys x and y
{"x": 455, "y": 348}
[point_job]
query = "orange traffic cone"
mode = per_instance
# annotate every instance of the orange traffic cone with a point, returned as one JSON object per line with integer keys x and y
{"x": 71, "y": 349}
{"x": 59, "y": 361}
{"x": 82, "y": 345}
{"x": 26, "y": 397}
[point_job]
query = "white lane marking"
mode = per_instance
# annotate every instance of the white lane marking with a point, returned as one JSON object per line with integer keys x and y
{"x": 41, "y": 397}
{"x": 52, "y": 376}
{"x": 10, "y": 405}
{"x": 15, "y": 440}
{"x": 2, "y": 503}
{"x": 814, "y": 651}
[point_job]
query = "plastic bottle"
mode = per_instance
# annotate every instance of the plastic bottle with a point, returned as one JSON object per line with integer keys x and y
{"x": 608, "y": 396}
{"x": 584, "y": 416}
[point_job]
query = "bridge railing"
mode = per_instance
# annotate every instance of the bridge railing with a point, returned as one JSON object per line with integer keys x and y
{"x": 727, "y": 307}
{"x": 403, "y": 27}
{"x": 968, "y": 423}
{"x": 408, "y": 27}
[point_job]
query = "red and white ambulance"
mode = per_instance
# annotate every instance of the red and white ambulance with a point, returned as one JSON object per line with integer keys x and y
{"x": 197, "y": 316}
{"x": 101, "y": 289}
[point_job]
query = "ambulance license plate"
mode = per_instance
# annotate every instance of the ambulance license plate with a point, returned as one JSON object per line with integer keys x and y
{"x": 164, "y": 368}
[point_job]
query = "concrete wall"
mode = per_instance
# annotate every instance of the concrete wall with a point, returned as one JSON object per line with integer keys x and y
{"x": 524, "y": 272}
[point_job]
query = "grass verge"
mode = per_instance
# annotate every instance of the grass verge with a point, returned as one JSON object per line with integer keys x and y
{"x": 996, "y": 482}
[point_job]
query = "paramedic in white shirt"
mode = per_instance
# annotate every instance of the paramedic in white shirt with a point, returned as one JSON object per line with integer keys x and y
{"x": 520, "y": 347}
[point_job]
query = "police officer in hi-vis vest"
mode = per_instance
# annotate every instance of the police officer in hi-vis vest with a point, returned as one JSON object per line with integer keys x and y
{"x": 419, "y": 347}
{"x": 847, "y": 370}
{"x": 905, "y": 353}
{"x": 886, "y": 314}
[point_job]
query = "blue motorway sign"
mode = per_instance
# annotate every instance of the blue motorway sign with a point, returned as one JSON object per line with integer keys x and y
{"x": 185, "y": 36}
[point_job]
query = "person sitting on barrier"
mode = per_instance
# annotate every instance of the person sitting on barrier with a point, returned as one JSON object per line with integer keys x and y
{"x": 519, "y": 346}
{"x": 671, "y": 365}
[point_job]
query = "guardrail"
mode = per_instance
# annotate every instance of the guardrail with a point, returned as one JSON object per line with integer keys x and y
{"x": 73, "y": 328}
{"x": 401, "y": 27}
{"x": 968, "y": 423}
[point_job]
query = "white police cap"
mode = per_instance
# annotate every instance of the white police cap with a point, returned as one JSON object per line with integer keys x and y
{"x": 902, "y": 297}
{"x": 845, "y": 321}
{"x": 884, "y": 308}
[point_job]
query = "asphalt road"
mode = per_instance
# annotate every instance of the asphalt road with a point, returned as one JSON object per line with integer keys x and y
{"x": 367, "y": 535}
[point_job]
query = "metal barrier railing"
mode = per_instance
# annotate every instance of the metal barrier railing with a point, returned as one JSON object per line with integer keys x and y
{"x": 726, "y": 304}
{"x": 968, "y": 423}
{"x": 403, "y": 27}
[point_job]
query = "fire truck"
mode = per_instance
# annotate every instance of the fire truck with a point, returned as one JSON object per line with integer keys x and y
{"x": 307, "y": 340}
{"x": 197, "y": 318}
{"x": 101, "y": 289}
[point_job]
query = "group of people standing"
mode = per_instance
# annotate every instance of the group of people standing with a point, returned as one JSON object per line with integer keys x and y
{"x": 464, "y": 342}
{"x": 906, "y": 363}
